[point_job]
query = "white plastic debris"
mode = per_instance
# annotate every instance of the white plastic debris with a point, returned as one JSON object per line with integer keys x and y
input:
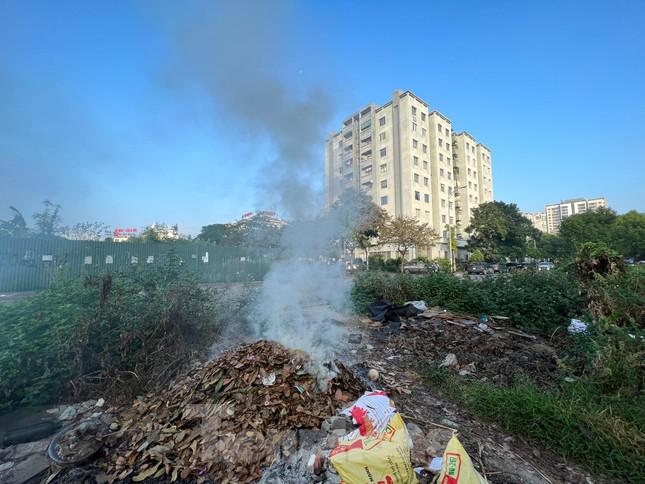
{"x": 449, "y": 361}
{"x": 435, "y": 464}
{"x": 576, "y": 326}
{"x": 268, "y": 380}
{"x": 420, "y": 305}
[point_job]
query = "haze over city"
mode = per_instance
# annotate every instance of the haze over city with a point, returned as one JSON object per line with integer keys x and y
{"x": 194, "y": 113}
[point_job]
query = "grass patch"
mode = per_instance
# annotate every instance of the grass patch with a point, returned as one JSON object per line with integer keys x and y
{"x": 604, "y": 432}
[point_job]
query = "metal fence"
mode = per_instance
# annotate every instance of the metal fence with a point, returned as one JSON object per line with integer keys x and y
{"x": 29, "y": 264}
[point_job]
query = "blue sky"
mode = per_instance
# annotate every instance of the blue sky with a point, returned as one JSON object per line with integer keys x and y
{"x": 131, "y": 112}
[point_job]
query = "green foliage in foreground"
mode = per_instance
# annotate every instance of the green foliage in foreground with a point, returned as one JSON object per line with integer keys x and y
{"x": 539, "y": 302}
{"x": 606, "y": 432}
{"x": 91, "y": 334}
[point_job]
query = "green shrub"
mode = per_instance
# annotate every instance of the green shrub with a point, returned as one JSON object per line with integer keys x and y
{"x": 540, "y": 302}
{"x": 117, "y": 333}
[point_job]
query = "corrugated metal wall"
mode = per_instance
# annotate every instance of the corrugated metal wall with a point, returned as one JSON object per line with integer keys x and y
{"x": 29, "y": 264}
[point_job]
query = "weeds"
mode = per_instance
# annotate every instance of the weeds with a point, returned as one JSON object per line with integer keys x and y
{"x": 119, "y": 334}
{"x": 604, "y": 432}
{"x": 539, "y": 302}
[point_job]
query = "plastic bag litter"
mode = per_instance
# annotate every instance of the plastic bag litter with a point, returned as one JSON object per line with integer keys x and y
{"x": 420, "y": 305}
{"x": 456, "y": 466}
{"x": 577, "y": 326}
{"x": 379, "y": 450}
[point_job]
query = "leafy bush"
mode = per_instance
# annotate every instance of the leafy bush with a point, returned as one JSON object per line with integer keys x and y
{"x": 120, "y": 333}
{"x": 539, "y": 301}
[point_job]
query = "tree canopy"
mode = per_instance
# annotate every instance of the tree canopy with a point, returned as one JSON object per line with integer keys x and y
{"x": 404, "y": 233}
{"x": 499, "y": 230}
{"x": 258, "y": 230}
{"x": 622, "y": 233}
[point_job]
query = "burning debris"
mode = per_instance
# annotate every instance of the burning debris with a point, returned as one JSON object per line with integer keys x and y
{"x": 227, "y": 420}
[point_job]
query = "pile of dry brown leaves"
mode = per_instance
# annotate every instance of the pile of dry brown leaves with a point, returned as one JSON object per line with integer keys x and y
{"x": 226, "y": 420}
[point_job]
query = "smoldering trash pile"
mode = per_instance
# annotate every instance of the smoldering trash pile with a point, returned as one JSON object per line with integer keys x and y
{"x": 226, "y": 420}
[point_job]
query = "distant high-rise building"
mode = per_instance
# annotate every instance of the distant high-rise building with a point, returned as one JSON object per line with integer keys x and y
{"x": 407, "y": 159}
{"x": 557, "y": 212}
{"x": 538, "y": 219}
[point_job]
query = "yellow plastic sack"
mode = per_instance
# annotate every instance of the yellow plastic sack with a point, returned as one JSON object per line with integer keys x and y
{"x": 457, "y": 468}
{"x": 380, "y": 458}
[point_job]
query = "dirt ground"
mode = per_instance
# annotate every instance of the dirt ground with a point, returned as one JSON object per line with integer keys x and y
{"x": 496, "y": 357}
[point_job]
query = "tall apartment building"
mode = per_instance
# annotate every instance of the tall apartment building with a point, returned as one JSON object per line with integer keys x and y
{"x": 538, "y": 219}
{"x": 557, "y": 212}
{"x": 401, "y": 155}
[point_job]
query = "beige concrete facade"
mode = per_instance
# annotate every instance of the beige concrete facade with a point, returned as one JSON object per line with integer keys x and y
{"x": 556, "y": 212}
{"x": 473, "y": 177}
{"x": 401, "y": 154}
{"x": 538, "y": 219}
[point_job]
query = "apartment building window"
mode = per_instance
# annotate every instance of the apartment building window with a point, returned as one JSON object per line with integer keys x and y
{"x": 425, "y": 148}
{"x": 443, "y": 203}
{"x": 384, "y": 168}
{"x": 474, "y": 173}
{"x": 475, "y": 186}
{"x": 469, "y": 171}
{"x": 423, "y": 116}
{"x": 447, "y": 146}
{"x": 445, "y": 234}
{"x": 383, "y": 183}
{"x": 383, "y": 152}
{"x": 425, "y": 165}
{"x": 443, "y": 219}
{"x": 426, "y": 198}
{"x": 450, "y": 190}
{"x": 427, "y": 213}
{"x": 416, "y": 178}
{"x": 416, "y": 161}
{"x": 425, "y": 181}
{"x": 441, "y": 172}
{"x": 452, "y": 220}
{"x": 381, "y": 121}
{"x": 417, "y": 212}
{"x": 473, "y": 150}
{"x": 414, "y": 126}
{"x": 424, "y": 132}
{"x": 449, "y": 205}
{"x": 384, "y": 200}
{"x": 470, "y": 196}
{"x": 439, "y": 128}
{"x": 467, "y": 146}
{"x": 449, "y": 176}
{"x": 415, "y": 144}
{"x": 470, "y": 184}
{"x": 382, "y": 136}
{"x": 440, "y": 142}
{"x": 440, "y": 156}
{"x": 443, "y": 187}
{"x": 417, "y": 195}
{"x": 447, "y": 132}
{"x": 414, "y": 111}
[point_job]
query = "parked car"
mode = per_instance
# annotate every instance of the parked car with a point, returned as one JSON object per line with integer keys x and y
{"x": 498, "y": 267}
{"x": 419, "y": 267}
{"x": 545, "y": 266}
{"x": 479, "y": 268}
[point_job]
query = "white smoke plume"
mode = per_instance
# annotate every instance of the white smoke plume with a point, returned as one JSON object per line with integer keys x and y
{"x": 239, "y": 55}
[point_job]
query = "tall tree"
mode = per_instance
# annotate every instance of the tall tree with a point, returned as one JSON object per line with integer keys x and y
{"x": 405, "y": 233}
{"x": 48, "y": 221}
{"x": 86, "y": 231}
{"x": 596, "y": 226}
{"x": 499, "y": 230}
{"x": 16, "y": 227}
{"x": 359, "y": 220}
{"x": 629, "y": 238}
